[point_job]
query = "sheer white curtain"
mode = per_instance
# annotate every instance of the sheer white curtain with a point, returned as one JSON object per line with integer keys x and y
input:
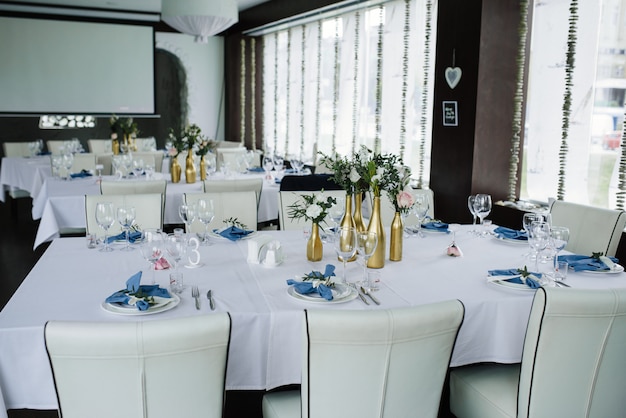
{"x": 320, "y": 82}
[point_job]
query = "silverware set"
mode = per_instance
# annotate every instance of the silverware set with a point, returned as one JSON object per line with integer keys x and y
{"x": 195, "y": 293}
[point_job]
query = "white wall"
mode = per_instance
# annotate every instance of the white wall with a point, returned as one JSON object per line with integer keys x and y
{"x": 204, "y": 65}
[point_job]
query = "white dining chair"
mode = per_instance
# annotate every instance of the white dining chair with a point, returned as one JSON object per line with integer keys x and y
{"x": 150, "y": 157}
{"x": 287, "y": 198}
{"x": 240, "y": 205}
{"x": 133, "y": 187}
{"x": 235, "y": 185}
{"x": 161, "y": 368}
{"x": 146, "y": 144}
{"x": 591, "y": 229}
{"x": 372, "y": 364}
{"x": 572, "y": 362}
{"x": 83, "y": 161}
{"x": 148, "y": 209}
{"x": 100, "y": 146}
{"x": 106, "y": 161}
{"x": 233, "y": 158}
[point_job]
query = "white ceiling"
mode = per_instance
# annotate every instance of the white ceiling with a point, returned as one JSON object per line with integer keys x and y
{"x": 153, "y": 6}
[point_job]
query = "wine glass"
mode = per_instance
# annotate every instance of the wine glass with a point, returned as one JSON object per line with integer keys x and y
{"x": 268, "y": 165}
{"x": 335, "y": 212}
{"x": 187, "y": 213}
{"x": 138, "y": 166}
{"x": 420, "y": 209}
{"x": 279, "y": 162}
{"x": 470, "y": 206}
{"x": 345, "y": 246}
{"x": 482, "y": 208}
{"x": 296, "y": 163}
{"x": 366, "y": 242}
{"x": 205, "y": 213}
{"x": 126, "y": 218}
{"x": 176, "y": 247}
{"x": 538, "y": 239}
{"x": 67, "y": 162}
{"x": 105, "y": 217}
{"x": 151, "y": 248}
{"x": 559, "y": 236}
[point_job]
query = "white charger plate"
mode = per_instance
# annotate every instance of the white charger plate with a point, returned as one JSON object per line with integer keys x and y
{"x": 508, "y": 285}
{"x": 341, "y": 293}
{"x": 161, "y": 305}
{"x": 617, "y": 268}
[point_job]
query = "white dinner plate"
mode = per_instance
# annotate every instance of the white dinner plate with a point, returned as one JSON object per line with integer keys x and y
{"x": 617, "y": 268}
{"x": 161, "y": 305}
{"x": 341, "y": 293}
{"x": 509, "y": 285}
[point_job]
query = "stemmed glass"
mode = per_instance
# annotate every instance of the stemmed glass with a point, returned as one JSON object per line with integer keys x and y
{"x": 420, "y": 208}
{"x": 482, "y": 208}
{"x": 279, "y": 162}
{"x": 366, "y": 242}
{"x": 296, "y": 163}
{"x": 205, "y": 213}
{"x": 138, "y": 167}
{"x": 67, "y": 161}
{"x": 151, "y": 248}
{"x": 187, "y": 213}
{"x": 268, "y": 165}
{"x": 538, "y": 239}
{"x": 470, "y": 206}
{"x": 105, "y": 217}
{"x": 176, "y": 247}
{"x": 345, "y": 246}
{"x": 559, "y": 236}
{"x": 126, "y": 218}
{"x": 336, "y": 212}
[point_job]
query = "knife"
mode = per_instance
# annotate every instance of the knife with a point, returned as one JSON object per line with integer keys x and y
{"x": 209, "y": 296}
{"x": 362, "y": 297}
{"x": 370, "y": 295}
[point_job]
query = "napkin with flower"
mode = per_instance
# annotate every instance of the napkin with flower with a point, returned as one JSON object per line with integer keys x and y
{"x": 595, "y": 262}
{"x": 518, "y": 276}
{"x": 508, "y": 233}
{"x": 140, "y": 296}
{"x": 234, "y": 230}
{"x": 316, "y": 282}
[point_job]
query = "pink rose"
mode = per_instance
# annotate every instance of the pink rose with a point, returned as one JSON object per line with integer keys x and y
{"x": 405, "y": 200}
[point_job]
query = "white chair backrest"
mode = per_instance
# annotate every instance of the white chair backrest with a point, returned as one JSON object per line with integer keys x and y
{"x": 16, "y": 149}
{"x": 591, "y": 229}
{"x": 162, "y": 368}
{"x": 100, "y": 146}
{"x": 148, "y": 211}
{"x": 83, "y": 161}
{"x": 133, "y": 187}
{"x": 235, "y": 185}
{"x": 287, "y": 198}
{"x": 240, "y": 205}
{"x": 153, "y": 157}
{"x": 106, "y": 160}
{"x": 573, "y": 359}
{"x": 146, "y": 144}
{"x": 232, "y": 157}
{"x": 228, "y": 144}
{"x": 391, "y": 363}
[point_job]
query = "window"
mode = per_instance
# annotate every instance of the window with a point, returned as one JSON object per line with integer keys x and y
{"x": 351, "y": 78}
{"x": 597, "y": 109}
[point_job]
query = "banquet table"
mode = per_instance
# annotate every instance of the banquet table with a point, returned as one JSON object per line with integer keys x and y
{"x": 70, "y": 282}
{"x": 60, "y": 204}
{"x": 24, "y": 173}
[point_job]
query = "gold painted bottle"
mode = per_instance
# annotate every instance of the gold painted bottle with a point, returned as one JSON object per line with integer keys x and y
{"x": 377, "y": 260}
{"x": 347, "y": 222}
{"x": 314, "y": 246}
{"x": 175, "y": 170}
{"x": 358, "y": 214}
{"x": 202, "y": 168}
{"x": 395, "y": 238}
{"x": 190, "y": 168}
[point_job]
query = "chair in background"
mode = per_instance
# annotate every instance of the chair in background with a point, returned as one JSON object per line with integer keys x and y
{"x": 83, "y": 161}
{"x": 133, "y": 187}
{"x": 17, "y": 149}
{"x": 592, "y": 229}
{"x": 240, "y": 205}
{"x": 100, "y": 146}
{"x": 235, "y": 185}
{"x": 150, "y": 157}
{"x": 106, "y": 160}
{"x": 148, "y": 208}
{"x": 161, "y": 368}
{"x": 386, "y": 363}
{"x": 572, "y": 364}
{"x": 146, "y": 144}
{"x": 233, "y": 158}
{"x": 61, "y": 146}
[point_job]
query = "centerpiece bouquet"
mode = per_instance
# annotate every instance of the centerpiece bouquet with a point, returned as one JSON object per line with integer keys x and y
{"x": 399, "y": 190}
{"x": 313, "y": 208}
{"x": 127, "y": 127}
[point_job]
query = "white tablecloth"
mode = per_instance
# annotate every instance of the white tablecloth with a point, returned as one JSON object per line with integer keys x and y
{"x": 70, "y": 282}
{"x": 60, "y": 204}
{"x": 24, "y": 173}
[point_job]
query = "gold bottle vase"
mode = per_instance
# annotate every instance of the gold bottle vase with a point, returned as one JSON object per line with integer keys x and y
{"x": 377, "y": 260}
{"x": 395, "y": 238}
{"x": 115, "y": 146}
{"x": 175, "y": 170}
{"x": 347, "y": 222}
{"x": 202, "y": 168}
{"x": 314, "y": 246}
{"x": 190, "y": 168}
{"x": 358, "y": 214}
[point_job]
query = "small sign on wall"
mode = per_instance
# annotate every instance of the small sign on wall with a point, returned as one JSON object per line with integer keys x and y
{"x": 450, "y": 114}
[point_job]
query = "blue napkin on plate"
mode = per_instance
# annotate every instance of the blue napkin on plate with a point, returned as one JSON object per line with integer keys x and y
{"x": 314, "y": 285}
{"x": 256, "y": 170}
{"x": 132, "y": 237}
{"x": 436, "y": 226}
{"x": 134, "y": 289}
{"x": 509, "y": 233}
{"x": 81, "y": 175}
{"x": 233, "y": 233}
{"x": 530, "y": 282}
{"x": 580, "y": 262}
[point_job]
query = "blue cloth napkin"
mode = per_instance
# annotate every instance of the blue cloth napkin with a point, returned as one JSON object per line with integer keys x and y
{"x": 82, "y": 174}
{"x": 509, "y": 233}
{"x": 530, "y": 282}
{"x": 233, "y": 233}
{"x": 133, "y": 288}
{"x": 256, "y": 170}
{"x": 580, "y": 262}
{"x": 307, "y": 287}
{"x": 436, "y": 226}
{"x": 132, "y": 237}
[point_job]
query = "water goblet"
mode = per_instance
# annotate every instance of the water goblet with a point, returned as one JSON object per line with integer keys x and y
{"x": 56, "y": 161}
{"x": 205, "y": 213}
{"x": 482, "y": 208}
{"x": 138, "y": 166}
{"x": 67, "y": 162}
{"x": 176, "y": 247}
{"x": 149, "y": 170}
{"x": 279, "y": 162}
{"x": 559, "y": 236}
{"x": 151, "y": 248}
{"x": 126, "y": 218}
{"x": 268, "y": 166}
{"x": 538, "y": 239}
{"x": 187, "y": 213}
{"x": 470, "y": 206}
{"x": 366, "y": 243}
{"x": 420, "y": 209}
{"x": 105, "y": 218}
{"x": 345, "y": 246}
{"x": 335, "y": 212}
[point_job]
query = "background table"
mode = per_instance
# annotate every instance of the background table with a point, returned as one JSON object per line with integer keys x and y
{"x": 70, "y": 282}
{"x": 24, "y": 173}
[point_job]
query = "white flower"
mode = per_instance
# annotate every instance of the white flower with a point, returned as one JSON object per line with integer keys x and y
{"x": 354, "y": 175}
{"x": 380, "y": 173}
{"x": 313, "y": 211}
{"x": 319, "y": 197}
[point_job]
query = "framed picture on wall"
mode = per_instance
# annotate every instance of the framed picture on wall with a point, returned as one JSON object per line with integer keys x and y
{"x": 450, "y": 114}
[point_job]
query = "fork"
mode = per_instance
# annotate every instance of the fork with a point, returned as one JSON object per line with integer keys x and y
{"x": 195, "y": 293}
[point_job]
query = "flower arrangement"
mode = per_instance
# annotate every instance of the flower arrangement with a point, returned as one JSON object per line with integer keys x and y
{"x": 399, "y": 191}
{"x": 204, "y": 146}
{"x": 379, "y": 170}
{"x": 126, "y": 125}
{"x": 188, "y": 138}
{"x": 312, "y": 207}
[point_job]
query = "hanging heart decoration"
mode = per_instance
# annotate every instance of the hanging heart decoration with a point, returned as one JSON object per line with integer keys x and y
{"x": 453, "y": 76}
